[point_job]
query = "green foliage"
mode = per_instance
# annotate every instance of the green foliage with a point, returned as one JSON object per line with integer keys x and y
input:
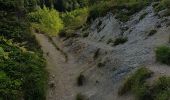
{"x": 75, "y": 18}
{"x": 46, "y": 20}
{"x": 122, "y": 17}
{"x": 102, "y": 7}
{"x": 99, "y": 9}
{"x": 152, "y": 32}
{"x": 163, "y": 54}
{"x": 79, "y": 96}
{"x": 129, "y": 7}
{"x": 22, "y": 74}
{"x": 120, "y": 40}
{"x": 69, "y": 5}
{"x": 3, "y": 53}
{"x": 161, "y": 89}
{"x": 162, "y": 5}
{"x": 135, "y": 82}
{"x": 13, "y": 24}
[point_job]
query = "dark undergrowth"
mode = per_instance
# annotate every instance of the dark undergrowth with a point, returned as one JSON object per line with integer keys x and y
{"x": 22, "y": 66}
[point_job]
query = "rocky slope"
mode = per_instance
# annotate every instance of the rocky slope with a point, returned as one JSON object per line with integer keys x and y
{"x": 105, "y": 65}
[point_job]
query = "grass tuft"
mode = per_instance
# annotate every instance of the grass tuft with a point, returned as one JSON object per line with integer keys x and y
{"x": 163, "y": 54}
{"x": 120, "y": 40}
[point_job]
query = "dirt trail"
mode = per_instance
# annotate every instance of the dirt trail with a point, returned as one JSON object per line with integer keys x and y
{"x": 62, "y": 74}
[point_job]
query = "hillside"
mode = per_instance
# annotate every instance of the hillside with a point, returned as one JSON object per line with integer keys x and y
{"x": 92, "y": 50}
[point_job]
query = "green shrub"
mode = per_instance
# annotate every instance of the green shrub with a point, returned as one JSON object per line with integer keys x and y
{"x": 22, "y": 74}
{"x": 80, "y": 80}
{"x": 122, "y": 17}
{"x": 136, "y": 81}
{"x": 152, "y": 32}
{"x": 131, "y": 7}
{"x": 75, "y": 19}
{"x": 110, "y": 41}
{"x": 120, "y": 40}
{"x": 162, "y": 5}
{"x": 163, "y": 54}
{"x": 101, "y": 64}
{"x": 96, "y": 54}
{"x": 141, "y": 91}
{"x": 161, "y": 89}
{"x": 85, "y": 34}
{"x": 79, "y": 96}
{"x": 99, "y": 9}
{"x": 46, "y": 20}
{"x": 3, "y": 53}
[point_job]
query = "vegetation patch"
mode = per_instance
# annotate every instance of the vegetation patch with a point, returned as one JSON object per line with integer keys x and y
{"x": 22, "y": 73}
{"x": 46, "y": 20}
{"x": 163, "y": 54}
{"x": 80, "y": 80}
{"x": 152, "y": 32}
{"x": 136, "y": 81}
{"x": 96, "y": 54}
{"x": 99, "y": 9}
{"x": 123, "y": 17}
{"x": 75, "y": 19}
{"x": 161, "y": 89}
{"x": 163, "y": 4}
{"x": 101, "y": 64}
{"x": 128, "y": 8}
{"x": 80, "y": 96}
{"x": 110, "y": 41}
{"x": 120, "y": 40}
{"x": 85, "y": 34}
{"x": 22, "y": 66}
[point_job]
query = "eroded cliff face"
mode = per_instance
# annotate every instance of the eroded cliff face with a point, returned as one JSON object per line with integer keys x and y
{"x": 109, "y": 64}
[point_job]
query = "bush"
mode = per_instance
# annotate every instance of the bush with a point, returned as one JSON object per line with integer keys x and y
{"x": 162, "y": 5}
{"x": 122, "y": 17}
{"x": 22, "y": 74}
{"x": 120, "y": 40}
{"x": 131, "y": 7}
{"x": 99, "y": 9}
{"x": 101, "y": 64}
{"x": 80, "y": 80}
{"x": 80, "y": 97}
{"x": 152, "y": 32}
{"x": 163, "y": 54}
{"x": 75, "y": 19}
{"x": 136, "y": 81}
{"x": 96, "y": 54}
{"x": 161, "y": 89}
{"x": 46, "y": 20}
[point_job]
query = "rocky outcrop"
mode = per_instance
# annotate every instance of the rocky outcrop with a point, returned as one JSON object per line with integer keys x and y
{"x": 109, "y": 63}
